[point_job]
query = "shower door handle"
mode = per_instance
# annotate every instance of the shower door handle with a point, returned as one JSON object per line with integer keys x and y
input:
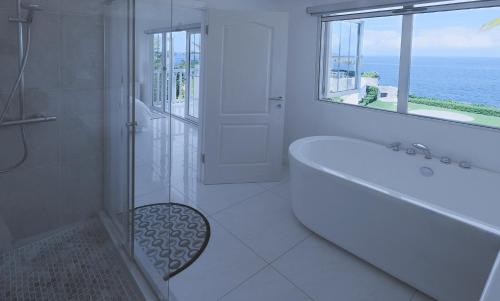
{"x": 131, "y": 126}
{"x": 277, "y": 98}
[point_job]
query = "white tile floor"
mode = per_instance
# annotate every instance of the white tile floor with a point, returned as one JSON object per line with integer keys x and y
{"x": 258, "y": 250}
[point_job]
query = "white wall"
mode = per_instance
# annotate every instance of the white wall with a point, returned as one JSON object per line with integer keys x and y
{"x": 305, "y": 116}
{"x": 61, "y": 181}
{"x": 151, "y": 14}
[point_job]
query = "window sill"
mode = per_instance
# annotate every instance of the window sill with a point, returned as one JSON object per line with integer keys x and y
{"x": 420, "y": 117}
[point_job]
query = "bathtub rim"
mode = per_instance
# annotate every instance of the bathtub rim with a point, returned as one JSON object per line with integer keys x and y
{"x": 296, "y": 154}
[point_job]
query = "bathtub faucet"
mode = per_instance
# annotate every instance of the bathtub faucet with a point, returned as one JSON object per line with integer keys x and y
{"x": 395, "y": 146}
{"x": 424, "y": 149}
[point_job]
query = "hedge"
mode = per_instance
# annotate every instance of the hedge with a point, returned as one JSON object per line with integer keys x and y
{"x": 370, "y": 74}
{"x": 371, "y": 95}
{"x": 457, "y": 106}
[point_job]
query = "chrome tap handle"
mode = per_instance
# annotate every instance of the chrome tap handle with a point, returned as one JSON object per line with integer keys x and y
{"x": 424, "y": 149}
{"x": 395, "y": 146}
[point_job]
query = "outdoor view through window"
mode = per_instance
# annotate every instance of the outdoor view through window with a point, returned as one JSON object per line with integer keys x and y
{"x": 454, "y": 67}
{"x": 176, "y": 72}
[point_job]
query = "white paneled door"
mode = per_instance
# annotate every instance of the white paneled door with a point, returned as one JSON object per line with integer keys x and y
{"x": 245, "y": 96}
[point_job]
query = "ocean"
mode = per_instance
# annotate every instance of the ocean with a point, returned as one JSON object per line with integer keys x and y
{"x": 465, "y": 79}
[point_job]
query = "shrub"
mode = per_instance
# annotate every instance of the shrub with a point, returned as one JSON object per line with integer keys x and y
{"x": 457, "y": 106}
{"x": 371, "y": 95}
{"x": 370, "y": 74}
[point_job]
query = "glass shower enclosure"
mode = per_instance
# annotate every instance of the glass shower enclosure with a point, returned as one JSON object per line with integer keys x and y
{"x": 137, "y": 144}
{"x": 76, "y": 128}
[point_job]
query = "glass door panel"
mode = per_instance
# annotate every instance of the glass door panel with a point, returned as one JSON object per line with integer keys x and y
{"x": 153, "y": 71}
{"x": 118, "y": 116}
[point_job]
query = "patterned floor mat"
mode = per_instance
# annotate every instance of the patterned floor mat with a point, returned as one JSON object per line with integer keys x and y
{"x": 172, "y": 235}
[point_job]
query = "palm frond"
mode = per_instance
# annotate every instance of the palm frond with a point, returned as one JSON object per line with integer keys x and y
{"x": 491, "y": 24}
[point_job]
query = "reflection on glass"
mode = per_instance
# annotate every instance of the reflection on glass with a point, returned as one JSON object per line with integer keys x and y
{"x": 158, "y": 70}
{"x": 360, "y": 62}
{"x": 179, "y": 73}
{"x": 194, "y": 73}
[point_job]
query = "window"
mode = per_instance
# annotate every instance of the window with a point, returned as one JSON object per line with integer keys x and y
{"x": 359, "y": 67}
{"x": 176, "y": 72}
{"x": 341, "y": 44}
{"x": 436, "y": 60}
{"x": 160, "y": 78}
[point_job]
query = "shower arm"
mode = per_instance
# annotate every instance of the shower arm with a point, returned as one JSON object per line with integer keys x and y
{"x": 41, "y": 119}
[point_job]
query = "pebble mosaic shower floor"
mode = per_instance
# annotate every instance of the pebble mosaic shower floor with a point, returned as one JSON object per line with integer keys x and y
{"x": 77, "y": 263}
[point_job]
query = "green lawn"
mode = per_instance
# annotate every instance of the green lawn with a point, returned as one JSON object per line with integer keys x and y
{"x": 478, "y": 118}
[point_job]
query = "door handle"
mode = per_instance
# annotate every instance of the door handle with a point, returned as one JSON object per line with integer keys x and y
{"x": 278, "y": 98}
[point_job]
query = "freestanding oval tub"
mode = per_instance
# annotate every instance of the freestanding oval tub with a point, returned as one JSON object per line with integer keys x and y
{"x": 439, "y": 233}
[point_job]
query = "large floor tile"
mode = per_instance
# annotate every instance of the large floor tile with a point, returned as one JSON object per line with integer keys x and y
{"x": 282, "y": 190}
{"x": 213, "y": 198}
{"x": 148, "y": 181}
{"x": 265, "y": 223}
{"x": 267, "y": 285}
{"x": 326, "y": 272}
{"x": 224, "y": 264}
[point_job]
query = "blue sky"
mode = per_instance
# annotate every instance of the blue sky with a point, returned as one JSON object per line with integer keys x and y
{"x": 453, "y": 33}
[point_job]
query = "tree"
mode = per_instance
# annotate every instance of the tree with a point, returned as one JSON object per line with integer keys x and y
{"x": 493, "y": 23}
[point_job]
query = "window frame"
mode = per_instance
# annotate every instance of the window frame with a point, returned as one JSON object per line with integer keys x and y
{"x": 407, "y": 12}
{"x": 325, "y": 62}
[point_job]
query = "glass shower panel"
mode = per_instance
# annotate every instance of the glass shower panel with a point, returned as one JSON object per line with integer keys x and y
{"x": 118, "y": 116}
{"x": 153, "y": 82}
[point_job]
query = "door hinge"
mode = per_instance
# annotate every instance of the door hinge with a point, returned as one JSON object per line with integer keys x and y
{"x": 206, "y": 29}
{"x": 203, "y": 158}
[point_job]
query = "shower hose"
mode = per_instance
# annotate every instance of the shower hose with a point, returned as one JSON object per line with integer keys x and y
{"x": 21, "y": 104}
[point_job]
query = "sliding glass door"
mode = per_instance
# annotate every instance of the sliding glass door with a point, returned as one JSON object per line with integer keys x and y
{"x": 176, "y": 72}
{"x": 193, "y": 83}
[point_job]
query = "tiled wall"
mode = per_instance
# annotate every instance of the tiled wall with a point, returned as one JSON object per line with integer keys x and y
{"x": 61, "y": 182}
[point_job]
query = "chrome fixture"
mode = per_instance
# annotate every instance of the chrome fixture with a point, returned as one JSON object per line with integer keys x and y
{"x": 424, "y": 149}
{"x": 426, "y": 171}
{"x": 19, "y": 82}
{"x": 445, "y": 160}
{"x": 30, "y": 8}
{"x": 39, "y": 119}
{"x": 396, "y": 146}
{"x": 411, "y": 151}
{"x": 465, "y": 165}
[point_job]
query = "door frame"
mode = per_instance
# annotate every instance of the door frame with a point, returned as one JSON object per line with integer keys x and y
{"x": 189, "y": 33}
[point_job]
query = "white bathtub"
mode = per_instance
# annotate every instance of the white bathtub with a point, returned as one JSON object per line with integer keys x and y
{"x": 440, "y": 234}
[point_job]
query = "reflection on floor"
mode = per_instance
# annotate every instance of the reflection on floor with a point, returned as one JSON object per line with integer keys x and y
{"x": 79, "y": 262}
{"x": 258, "y": 249}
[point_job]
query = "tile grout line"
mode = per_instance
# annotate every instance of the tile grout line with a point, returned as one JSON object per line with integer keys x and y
{"x": 293, "y": 283}
{"x": 243, "y": 282}
{"x": 291, "y": 248}
{"x": 268, "y": 263}
{"x": 238, "y": 203}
